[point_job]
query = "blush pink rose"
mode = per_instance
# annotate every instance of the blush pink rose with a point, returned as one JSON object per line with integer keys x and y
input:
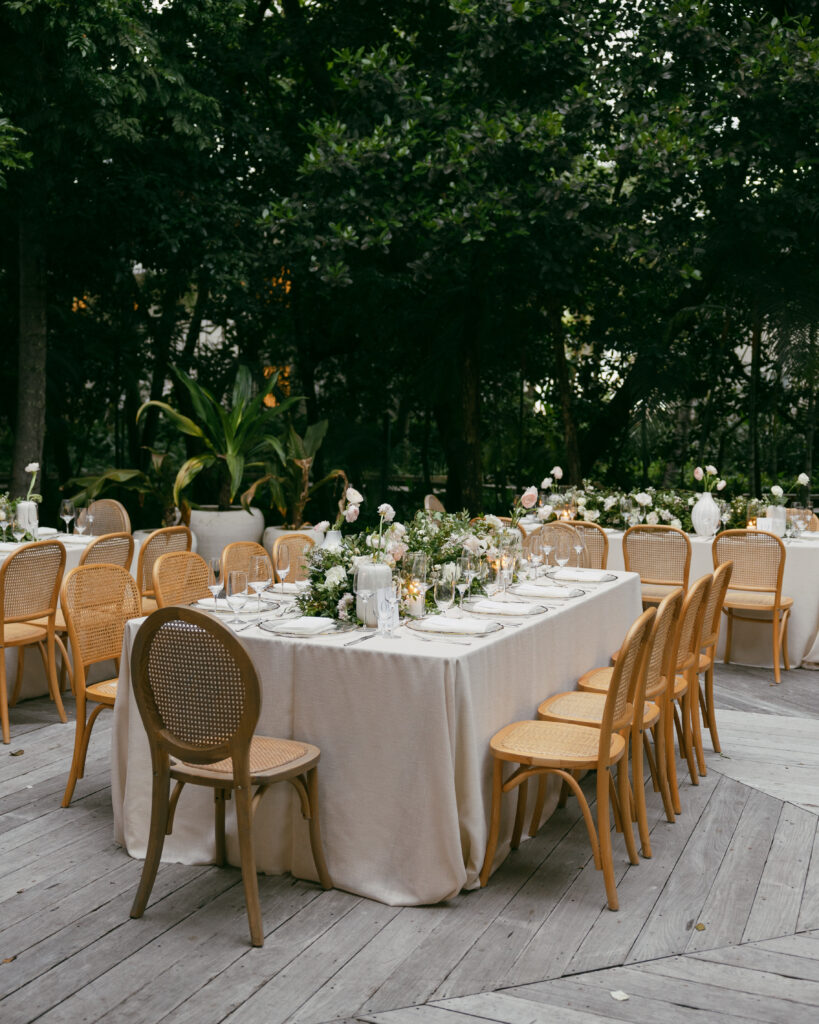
{"x": 698, "y": 473}
{"x": 351, "y": 513}
{"x": 529, "y": 497}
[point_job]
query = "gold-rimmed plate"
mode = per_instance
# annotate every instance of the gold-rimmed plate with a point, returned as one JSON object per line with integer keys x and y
{"x": 454, "y": 627}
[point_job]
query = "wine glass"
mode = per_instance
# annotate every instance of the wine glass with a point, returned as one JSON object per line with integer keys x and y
{"x": 81, "y": 525}
{"x": 444, "y": 593}
{"x": 66, "y": 512}
{"x": 627, "y": 510}
{"x": 18, "y": 529}
{"x": 215, "y": 580}
{"x": 259, "y": 577}
{"x": 90, "y": 519}
{"x": 282, "y": 563}
{"x": 236, "y": 591}
{"x": 563, "y": 549}
{"x": 468, "y": 567}
{"x": 579, "y": 548}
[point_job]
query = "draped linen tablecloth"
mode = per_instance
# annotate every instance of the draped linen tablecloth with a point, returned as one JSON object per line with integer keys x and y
{"x": 752, "y": 644}
{"x": 403, "y": 727}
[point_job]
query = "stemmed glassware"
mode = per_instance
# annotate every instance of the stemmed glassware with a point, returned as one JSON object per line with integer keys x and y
{"x": 282, "y": 563}
{"x": 81, "y": 525}
{"x": 236, "y": 590}
{"x": 563, "y": 549}
{"x": 215, "y": 580}
{"x": 468, "y": 570}
{"x": 535, "y": 552}
{"x": 18, "y": 529}
{"x": 90, "y": 519}
{"x": 260, "y": 577}
{"x": 627, "y": 510}
{"x": 579, "y": 548}
{"x": 67, "y": 512}
{"x": 444, "y": 593}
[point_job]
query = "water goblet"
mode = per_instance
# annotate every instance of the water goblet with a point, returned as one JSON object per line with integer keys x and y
{"x": 66, "y": 512}
{"x": 468, "y": 565}
{"x": 581, "y": 553}
{"x": 259, "y": 577}
{"x": 90, "y": 519}
{"x": 563, "y": 549}
{"x": 236, "y": 591}
{"x": 18, "y": 529}
{"x": 444, "y": 593}
{"x": 282, "y": 563}
{"x": 215, "y": 580}
{"x": 81, "y": 525}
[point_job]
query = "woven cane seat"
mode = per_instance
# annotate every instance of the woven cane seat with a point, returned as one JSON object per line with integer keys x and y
{"x": 148, "y": 605}
{"x": 576, "y": 706}
{"x": 59, "y": 622}
{"x": 653, "y": 593}
{"x": 267, "y": 754}
{"x": 552, "y": 744}
{"x": 680, "y": 686}
{"x": 596, "y": 680}
{"x": 751, "y": 599}
{"x": 103, "y": 693}
{"x": 17, "y": 633}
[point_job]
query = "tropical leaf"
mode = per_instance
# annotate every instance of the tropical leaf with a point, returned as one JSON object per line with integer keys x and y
{"x": 182, "y": 423}
{"x": 190, "y": 469}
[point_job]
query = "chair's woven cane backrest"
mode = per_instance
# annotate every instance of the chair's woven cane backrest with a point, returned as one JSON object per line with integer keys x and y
{"x": 661, "y": 643}
{"x": 239, "y": 555}
{"x": 758, "y": 557}
{"x": 432, "y": 504}
{"x": 171, "y": 538}
{"x": 30, "y": 581}
{"x": 720, "y": 582}
{"x": 109, "y": 517}
{"x": 660, "y": 554}
{"x": 531, "y": 540}
{"x": 549, "y": 534}
{"x": 193, "y": 681}
{"x": 97, "y": 601}
{"x": 629, "y": 664}
{"x": 299, "y": 545}
{"x": 596, "y": 541}
{"x": 180, "y": 577}
{"x": 689, "y": 630}
{"x": 112, "y": 549}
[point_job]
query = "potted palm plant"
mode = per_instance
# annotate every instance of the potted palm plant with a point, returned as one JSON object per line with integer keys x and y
{"x": 235, "y": 441}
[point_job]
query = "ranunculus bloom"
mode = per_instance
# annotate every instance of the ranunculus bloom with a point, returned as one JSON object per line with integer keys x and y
{"x": 33, "y": 467}
{"x": 720, "y": 485}
{"x": 711, "y": 470}
{"x": 803, "y": 479}
{"x": 493, "y": 521}
{"x": 351, "y": 513}
{"x": 529, "y": 497}
{"x": 676, "y": 524}
{"x": 698, "y": 473}
{"x": 387, "y": 512}
{"x": 544, "y": 512}
{"x": 557, "y": 472}
{"x": 643, "y": 499}
{"x": 323, "y": 526}
{"x": 545, "y": 483}
{"x": 396, "y": 550}
{"x": 777, "y": 491}
{"x": 471, "y": 543}
{"x": 354, "y": 496}
{"x": 335, "y": 575}
{"x": 652, "y": 518}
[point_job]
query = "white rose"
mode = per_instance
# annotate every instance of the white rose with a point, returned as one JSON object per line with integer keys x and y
{"x": 398, "y": 530}
{"x": 472, "y": 544}
{"x": 581, "y": 502}
{"x": 609, "y": 503}
{"x": 396, "y": 550}
{"x": 652, "y": 518}
{"x": 643, "y": 499}
{"x": 493, "y": 521}
{"x": 323, "y": 526}
{"x": 450, "y": 571}
{"x": 33, "y": 467}
{"x": 665, "y": 515}
{"x": 720, "y": 485}
{"x": 354, "y": 496}
{"x": 387, "y": 512}
{"x": 777, "y": 491}
{"x": 351, "y": 513}
{"x": 690, "y": 501}
{"x": 676, "y": 524}
{"x": 334, "y": 576}
{"x": 557, "y": 472}
{"x": 803, "y": 479}
{"x": 544, "y": 512}
{"x": 545, "y": 483}
{"x": 711, "y": 470}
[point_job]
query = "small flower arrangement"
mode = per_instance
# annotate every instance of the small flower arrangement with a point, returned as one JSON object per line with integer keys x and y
{"x": 709, "y": 478}
{"x": 523, "y": 504}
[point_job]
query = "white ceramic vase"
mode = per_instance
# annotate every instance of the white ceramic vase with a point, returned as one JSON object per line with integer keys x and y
{"x": 371, "y": 578}
{"x": 27, "y": 515}
{"x": 777, "y": 519}
{"x": 705, "y": 515}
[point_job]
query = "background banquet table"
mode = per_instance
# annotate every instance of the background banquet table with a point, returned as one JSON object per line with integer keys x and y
{"x": 403, "y": 727}
{"x": 751, "y": 644}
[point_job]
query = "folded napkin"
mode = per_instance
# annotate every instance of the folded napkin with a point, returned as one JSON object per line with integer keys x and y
{"x": 575, "y": 575}
{"x": 9, "y": 545}
{"x": 544, "y": 590}
{"x": 289, "y": 588}
{"x": 443, "y": 624}
{"x": 308, "y": 625}
{"x": 208, "y": 604}
{"x": 505, "y": 608}
{"x": 46, "y": 531}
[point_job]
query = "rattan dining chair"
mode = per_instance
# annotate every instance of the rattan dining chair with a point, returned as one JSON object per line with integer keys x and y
{"x": 298, "y": 546}
{"x": 180, "y": 577}
{"x": 756, "y": 586}
{"x": 198, "y": 696}
{"x": 539, "y": 747}
{"x": 29, "y": 584}
{"x": 239, "y": 556}
{"x": 156, "y": 544}
{"x": 548, "y": 534}
{"x": 649, "y": 688}
{"x": 662, "y": 557}
{"x": 110, "y": 516}
{"x": 711, "y": 622}
{"x": 97, "y": 600}
{"x": 433, "y": 504}
{"x": 596, "y": 541}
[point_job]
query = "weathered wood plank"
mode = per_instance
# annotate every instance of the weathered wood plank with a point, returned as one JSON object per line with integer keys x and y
{"x": 756, "y": 957}
{"x": 498, "y": 1006}
{"x": 421, "y": 1015}
{"x": 809, "y": 908}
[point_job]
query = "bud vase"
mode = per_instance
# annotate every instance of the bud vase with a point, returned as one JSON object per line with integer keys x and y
{"x": 332, "y": 540}
{"x": 705, "y": 515}
{"x": 26, "y": 513}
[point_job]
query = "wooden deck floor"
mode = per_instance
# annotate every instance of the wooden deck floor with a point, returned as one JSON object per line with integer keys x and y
{"x": 722, "y": 923}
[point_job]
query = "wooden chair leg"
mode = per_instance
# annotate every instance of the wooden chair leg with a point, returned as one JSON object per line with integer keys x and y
{"x": 638, "y": 777}
{"x": 540, "y": 803}
{"x": 520, "y": 813}
{"x": 652, "y": 766}
{"x": 315, "y": 831}
{"x": 4, "y": 698}
{"x": 156, "y": 838}
{"x": 785, "y": 658}
{"x": 82, "y": 734}
{"x": 710, "y": 710}
{"x": 625, "y": 807}
{"x": 244, "y": 823}
{"x": 494, "y": 820}
{"x": 671, "y": 758}
{"x": 662, "y": 767}
{"x": 53, "y": 685}
{"x": 615, "y": 805}
{"x": 219, "y": 796}
{"x": 776, "y": 653}
{"x": 729, "y": 633}
{"x": 604, "y": 836}
{"x": 18, "y": 678}
{"x": 687, "y": 719}
{"x": 696, "y": 727}
{"x": 564, "y": 793}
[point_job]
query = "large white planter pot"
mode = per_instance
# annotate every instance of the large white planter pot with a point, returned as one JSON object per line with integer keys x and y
{"x": 214, "y": 530}
{"x": 272, "y": 532}
{"x": 705, "y": 515}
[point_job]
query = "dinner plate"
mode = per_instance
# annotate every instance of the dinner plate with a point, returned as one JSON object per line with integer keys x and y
{"x": 285, "y": 627}
{"x": 459, "y": 627}
{"x": 546, "y": 592}
{"x": 580, "y": 576}
{"x": 516, "y": 609}
{"x": 248, "y": 610}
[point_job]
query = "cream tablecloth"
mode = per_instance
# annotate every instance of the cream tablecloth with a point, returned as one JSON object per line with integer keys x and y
{"x": 403, "y": 727}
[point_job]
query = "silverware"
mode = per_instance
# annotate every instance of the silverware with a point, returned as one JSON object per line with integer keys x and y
{"x": 360, "y": 639}
{"x": 441, "y": 639}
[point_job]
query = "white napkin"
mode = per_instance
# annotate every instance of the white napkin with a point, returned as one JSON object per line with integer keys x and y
{"x": 289, "y": 588}
{"x": 443, "y": 624}
{"x": 574, "y": 575}
{"x": 9, "y": 545}
{"x": 544, "y": 590}
{"x": 270, "y": 597}
{"x": 46, "y": 531}
{"x": 505, "y": 608}
{"x": 209, "y": 604}
{"x": 308, "y": 625}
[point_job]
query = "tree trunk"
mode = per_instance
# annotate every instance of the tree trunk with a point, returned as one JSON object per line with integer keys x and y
{"x": 755, "y": 475}
{"x": 564, "y": 392}
{"x": 458, "y": 415}
{"x": 31, "y": 353}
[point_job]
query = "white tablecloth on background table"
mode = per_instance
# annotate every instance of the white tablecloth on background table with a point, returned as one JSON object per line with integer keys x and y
{"x": 752, "y": 644}
{"x": 34, "y": 682}
{"x": 403, "y": 726}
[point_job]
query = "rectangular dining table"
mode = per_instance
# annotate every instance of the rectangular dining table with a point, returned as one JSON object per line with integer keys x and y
{"x": 403, "y": 726}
